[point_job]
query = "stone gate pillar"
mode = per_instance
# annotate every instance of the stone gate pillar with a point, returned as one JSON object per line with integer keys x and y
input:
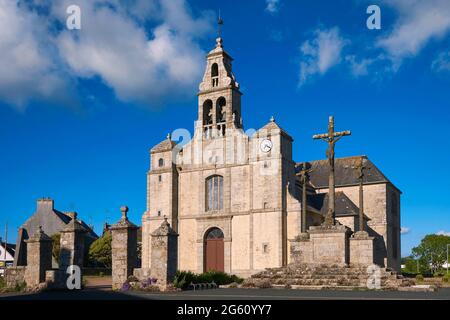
{"x": 39, "y": 258}
{"x": 164, "y": 255}
{"x": 124, "y": 249}
{"x": 72, "y": 245}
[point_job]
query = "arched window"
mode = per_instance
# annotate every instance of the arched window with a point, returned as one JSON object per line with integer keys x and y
{"x": 214, "y": 233}
{"x": 214, "y": 70}
{"x": 214, "y": 193}
{"x": 161, "y": 162}
{"x": 215, "y": 75}
{"x": 221, "y": 110}
{"x": 207, "y": 112}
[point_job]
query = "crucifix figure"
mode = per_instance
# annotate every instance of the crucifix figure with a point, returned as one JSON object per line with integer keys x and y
{"x": 304, "y": 178}
{"x": 361, "y": 168}
{"x": 331, "y": 138}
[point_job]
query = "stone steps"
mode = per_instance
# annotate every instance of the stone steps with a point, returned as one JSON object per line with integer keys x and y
{"x": 303, "y": 276}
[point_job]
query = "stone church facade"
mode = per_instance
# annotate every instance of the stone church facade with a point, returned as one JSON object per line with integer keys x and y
{"x": 234, "y": 198}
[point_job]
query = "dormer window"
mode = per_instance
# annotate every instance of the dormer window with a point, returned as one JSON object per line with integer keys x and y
{"x": 215, "y": 75}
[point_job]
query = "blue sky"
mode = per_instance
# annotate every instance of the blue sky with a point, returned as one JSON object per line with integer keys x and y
{"x": 80, "y": 109}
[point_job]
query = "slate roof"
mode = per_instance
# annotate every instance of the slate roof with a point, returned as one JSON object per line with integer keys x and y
{"x": 344, "y": 207}
{"x": 346, "y": 172}
{"x": 10, "y": 248}
{"x": 165, "y": 145}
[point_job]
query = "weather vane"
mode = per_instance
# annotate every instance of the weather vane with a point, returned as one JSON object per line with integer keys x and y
{"x": 219, "y": 25}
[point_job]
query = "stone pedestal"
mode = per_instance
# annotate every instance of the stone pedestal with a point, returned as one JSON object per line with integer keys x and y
{"x": 326, "y": 245}
{"x": 361, "y": 249}
{"x": 301, "y": 249}
{"x": 39, "y": 258}
{"x": 124, "y": 250}
{"x": 164, "y": 254}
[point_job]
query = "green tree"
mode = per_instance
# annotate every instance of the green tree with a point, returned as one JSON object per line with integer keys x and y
{"x": 56, "y": 246}
{"x": 100, "y": 251}
{"x": 431, "y": 252}
{"x": 410, "y": 264}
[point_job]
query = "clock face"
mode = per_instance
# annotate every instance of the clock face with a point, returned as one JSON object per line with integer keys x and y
{"x": 266, "y": 145}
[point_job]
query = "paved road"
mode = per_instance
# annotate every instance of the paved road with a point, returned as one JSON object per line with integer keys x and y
{"x": 237, "y": 294}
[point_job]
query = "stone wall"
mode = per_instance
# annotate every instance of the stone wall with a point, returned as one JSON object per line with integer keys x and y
{"x": 15, "y": 275}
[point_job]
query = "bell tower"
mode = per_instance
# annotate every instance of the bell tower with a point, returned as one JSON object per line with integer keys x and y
{"x": 219, "y": 98}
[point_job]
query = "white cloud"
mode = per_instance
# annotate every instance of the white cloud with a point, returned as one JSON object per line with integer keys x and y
{"x": 140, "y": 65}
{"x": 419, "y": 22}
{"x": 442, "y": 62}
{"x": 27, "y": 71}
{"x": 443, "y": 233}
{"x": 405, "y": 230}
{"x": 272, "y": 6}
{"x": 359, "y": 68}
{"x": 321, "y": 53}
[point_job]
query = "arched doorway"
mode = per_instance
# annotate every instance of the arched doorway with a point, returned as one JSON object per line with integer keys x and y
{"x": 214, "y": 250}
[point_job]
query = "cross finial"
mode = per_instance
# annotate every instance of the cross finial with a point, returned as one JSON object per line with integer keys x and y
{"x": 169, "y": 136}
{"x": 219, "y": 25}
{"x": 272, "y": 119}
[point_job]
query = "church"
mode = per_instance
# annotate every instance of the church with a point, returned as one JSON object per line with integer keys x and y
{"x": 235, "y": 199}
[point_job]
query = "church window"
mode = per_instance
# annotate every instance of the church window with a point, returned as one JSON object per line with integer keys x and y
{"x": 160, "y": 178}
{"x": 221, "y": 112}
{"x": 215, "y": 70}
{"x": 215, "y": 75}
{"x": 214, "y": 193}
{"x": 207, "y": 112}
{"x": 265, "y": 248}
{"x": 161, "y": 162}
{"x": 214, "y": 233}
{"x": 159, "y": 213}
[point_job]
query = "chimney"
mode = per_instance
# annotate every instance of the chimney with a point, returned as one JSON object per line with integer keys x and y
{"x": 45, "y": 204}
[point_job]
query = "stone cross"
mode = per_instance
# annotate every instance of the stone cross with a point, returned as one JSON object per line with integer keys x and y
{"x": 331, "y": 138}
{"x": 304, "y": 181}
{"x": 361, "y": 168}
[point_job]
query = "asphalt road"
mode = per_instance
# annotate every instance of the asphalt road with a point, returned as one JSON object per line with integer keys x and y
{"x": 235, "y": 294}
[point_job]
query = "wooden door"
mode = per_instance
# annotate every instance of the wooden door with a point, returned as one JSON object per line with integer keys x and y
{"x": 214, "y": 255}
{"x": 214, "y": 250}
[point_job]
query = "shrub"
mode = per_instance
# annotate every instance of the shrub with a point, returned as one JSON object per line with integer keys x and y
{"x": 446, "y": 278}
{"x": 21, "y": 286}
{"x": 132, "y": 279}
{"x": 183, "y": 279}
{"x": 2, "y": 283}
{"x": 56, "y": 248}
{"x": 419, "y": 277}
{"x": 126, "y": 286}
